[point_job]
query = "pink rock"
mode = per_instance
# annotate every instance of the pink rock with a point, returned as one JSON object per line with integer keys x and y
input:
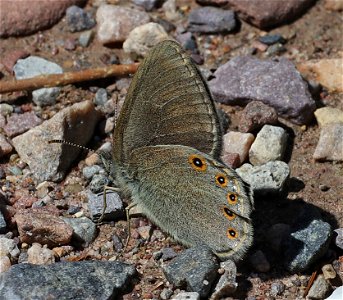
{"x": 26, "y": 17}
{"x": 19, "y": 123}
{"x": 5, "y": 146}
{"x": 232, "y": 160}
{"x": 237, "y": 142}
{"x": 267, "y": 14}
{"x": 43, "y": 228}
{"x": 11, "y": 58}
{"x": 255, "y": 115}
{"x": 116, "y": 22}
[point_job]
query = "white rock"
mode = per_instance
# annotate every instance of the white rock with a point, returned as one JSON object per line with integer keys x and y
{"x": 187, "y": 295}
{"x": 330, "y": 144}
{"x": 39, "y": 255}
{"x": 9, "y": 248}
{"x": 116, "y": 22}
{"x": 269, "y": 145}
{"x": 327, "y": 115}
{"x": 144, "y": 37}
{"x": 5, "y": 264}
{"x": 337, "y": 294}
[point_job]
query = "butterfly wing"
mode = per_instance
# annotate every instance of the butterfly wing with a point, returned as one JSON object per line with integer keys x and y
{"x": 168, "y": 103}
{"x": 193, "y": 197}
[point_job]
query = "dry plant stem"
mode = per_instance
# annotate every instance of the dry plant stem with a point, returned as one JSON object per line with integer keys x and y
{"x": 310, "y": 282}
{"x": 51, "y": 80}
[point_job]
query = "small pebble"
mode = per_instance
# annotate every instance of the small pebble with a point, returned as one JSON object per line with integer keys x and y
{"x": 98, "y": 182}
{"x": 78, "y": 19}
{"x": 148, "y": 5}
{"x": 85, "y": 38}
{"x": 6, "y": 109}
{"x": 5, "y": 264}
{"x": 89, "y": 171}
{"x": 277, "y": 288}
{"x": 39, "y": 255}
{"x": 255, "y": 115}
{"x": 101, "y": 97}
{"x": 237, "y": 142}
{"x": 319, "y": 289}
{"x": 328, "y": 115}
{"x": 271, "y": 39}
{"x": 269, "y": 145}
{"x": 330, "y": 144}
{"x": 328, "y": 272}
{"x": 339, "y": 238}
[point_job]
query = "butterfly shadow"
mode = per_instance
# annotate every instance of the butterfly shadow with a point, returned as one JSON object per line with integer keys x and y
{"x": 281, "y": 250}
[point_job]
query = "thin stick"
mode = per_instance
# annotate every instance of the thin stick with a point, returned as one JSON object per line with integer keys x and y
{"x": 51, "y": 80}
{"x": 310, "y": 282}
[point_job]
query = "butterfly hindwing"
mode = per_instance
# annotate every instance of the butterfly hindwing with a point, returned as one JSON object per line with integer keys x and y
{"x": 193, "y": 197}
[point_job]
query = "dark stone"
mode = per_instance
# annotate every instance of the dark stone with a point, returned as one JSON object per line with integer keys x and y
{"x": 148, "y": 5}
{"x": 211, "y": 20}
{"x": 271, "y": 39}
{"x": 66, "y": 280}
{"x": 195, "y": 269}
{"x": 276, "y": 83}
{"x": 308, "y": 241}
{"x": 78, "y": 19}
{"x": 2, "y": 223}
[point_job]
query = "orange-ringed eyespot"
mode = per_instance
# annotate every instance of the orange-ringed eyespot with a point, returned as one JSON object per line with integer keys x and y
{"x": 197, "y": 162}
{"x": 228, "y": 213}
{"x": 221, "y": 180}
{"x": 232, "y": 233}
{"x": 232, "y": 198}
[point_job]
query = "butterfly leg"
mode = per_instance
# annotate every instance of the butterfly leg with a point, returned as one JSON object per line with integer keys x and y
{"x": 104, "y": 202}
{"x": 127, "y": 210}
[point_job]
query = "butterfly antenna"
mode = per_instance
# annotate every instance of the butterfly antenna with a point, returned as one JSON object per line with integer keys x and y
{"x": 70, "y": 144}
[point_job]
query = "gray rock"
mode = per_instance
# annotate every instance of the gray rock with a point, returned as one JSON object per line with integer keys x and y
{"x": 269, "y": 145}
{"x": 165, "y": 254}
{"x": 85, "y": 38}
{"x": 277, "y": 288}
{"x": 339, "y": 238}
{"x": 245, "y": 79}
{"x": 89, "y": 171}
{"x": 330, "y": 144}
{"x": 308, "y": 241}
{"x": 259, "y": 261}
{"x": 194, "y": 269}
{"x": 51, "y": 161}
{"x": 116, "y": 22}
{"x": 101, "y": 97}
{"x": 187, "y": 295}
{"x": 227, "y": 284}
{"x": 187, "y": 41}
{"x": 34, "y": 66}
{"x": 84, "y": 229}
{"x": 270, "y": 39}
{"x": 66, "y": 280}
{"x": 8, "y": 247}
{"x": 211, "y": 20}
{"x": 143, "y": 38}
{"x": 268, "y": 178}
{"x": 148, "y": 5}
{"x": 78, "y": 19}
{"x": 166, "y": 293}
{"x": 98, "y": 183}
{"x": 276, "y": 49}
{"x": 114, "y": 205}
{"x": 320, "y": 288}
{"x": 3, "y": 224}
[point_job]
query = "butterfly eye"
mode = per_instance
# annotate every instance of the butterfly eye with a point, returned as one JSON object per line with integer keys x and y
{"x": 221, "y": 180}
{"x": 197, "y": 162}
{"x": 232, "y": 233}
{"x": 228, "y": 213}
{"x": 232, "y": 198}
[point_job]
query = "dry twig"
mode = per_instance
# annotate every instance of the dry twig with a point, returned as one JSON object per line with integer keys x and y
{"x": 52, "y": 80}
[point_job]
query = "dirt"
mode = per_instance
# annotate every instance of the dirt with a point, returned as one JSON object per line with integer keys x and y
{"x": 317, "y": 34}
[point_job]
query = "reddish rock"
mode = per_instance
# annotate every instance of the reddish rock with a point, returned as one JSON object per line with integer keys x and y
{"x": 43, "y": 228}
{"x": 26, "y": 17}
{"x": 25, "y": 202}
{"x": 19, "y": 123}
{"x": 11, "y": 58}
{"x": 268, "y": 14}
{"x": 255, "y": 115}
{"x": 5, "y": 146}
{"x": 232, "y": 160}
